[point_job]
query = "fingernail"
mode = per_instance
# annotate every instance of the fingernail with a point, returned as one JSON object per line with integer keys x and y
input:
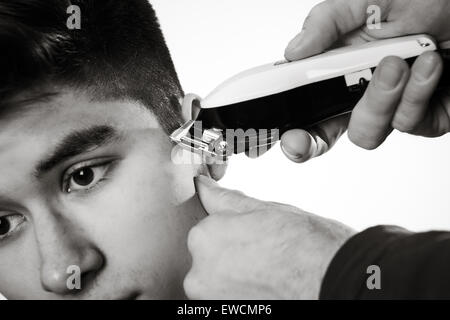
{"x": 426, "y": 67}
{"x": 390, "y": 75}
{"x": 292, "y": 154}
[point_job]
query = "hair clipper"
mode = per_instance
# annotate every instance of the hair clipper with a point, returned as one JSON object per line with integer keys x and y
{"x": 266, "y": 101}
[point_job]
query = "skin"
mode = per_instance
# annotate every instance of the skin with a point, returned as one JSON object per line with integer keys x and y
{"x": 127, "y": 230}
{"x": 398, "y": 97}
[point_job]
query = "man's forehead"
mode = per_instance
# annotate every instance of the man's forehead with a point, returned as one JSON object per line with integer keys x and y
{"x": 70, "y": 110}
{"x": 34, "y": 132}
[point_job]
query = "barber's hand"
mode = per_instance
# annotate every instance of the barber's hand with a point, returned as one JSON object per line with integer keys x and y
{"x": 251, "y": 249}
{"x": 397, "y": 97}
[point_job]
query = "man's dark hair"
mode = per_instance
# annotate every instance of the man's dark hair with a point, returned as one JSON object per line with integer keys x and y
{"x": 119, "y": 53}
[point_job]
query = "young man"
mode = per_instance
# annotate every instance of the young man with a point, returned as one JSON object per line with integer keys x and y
{"x": 87, "y": 179}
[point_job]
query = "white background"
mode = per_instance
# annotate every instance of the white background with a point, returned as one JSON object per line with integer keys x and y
{"x": 404, "y": 182}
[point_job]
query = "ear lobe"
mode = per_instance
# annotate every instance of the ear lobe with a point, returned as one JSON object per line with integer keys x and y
{"x": 217, "y": 170}
{"x": 190, "y": 106}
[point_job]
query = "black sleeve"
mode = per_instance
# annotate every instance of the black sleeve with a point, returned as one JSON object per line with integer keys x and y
{"x": 411, "y": 265}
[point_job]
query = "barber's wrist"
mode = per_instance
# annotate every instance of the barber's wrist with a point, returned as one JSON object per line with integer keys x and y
{"x": 333, "y": 242}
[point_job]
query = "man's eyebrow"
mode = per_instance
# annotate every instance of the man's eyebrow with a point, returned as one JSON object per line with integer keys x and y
{"x": 77, "y": 143}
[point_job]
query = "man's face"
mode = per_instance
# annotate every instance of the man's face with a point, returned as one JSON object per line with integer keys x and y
{"x": 91, "y": 184}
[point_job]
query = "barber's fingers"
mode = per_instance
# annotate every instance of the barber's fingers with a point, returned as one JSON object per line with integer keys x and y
{"x": 300, "y": 145}
{"x": 327, "y": 23}
{"x": 425, "y": 75}
{"x": 342, "y": 22}
{"x": 371, "y": 119}
{"x": 216, "y": 199}
{"x": 393, "y": 97}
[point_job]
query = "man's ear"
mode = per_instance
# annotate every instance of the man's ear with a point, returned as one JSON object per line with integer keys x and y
{"x": 190, "y": 109}
{"x": 190, "y": 106}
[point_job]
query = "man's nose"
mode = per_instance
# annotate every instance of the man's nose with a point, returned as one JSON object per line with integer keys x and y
{"x": 59, "y": 272}
{"x": 67, "y": 258}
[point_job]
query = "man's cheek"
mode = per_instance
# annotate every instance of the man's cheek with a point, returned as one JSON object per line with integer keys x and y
{"x": 131, "y": 212}
{"x": 20, "y": 269}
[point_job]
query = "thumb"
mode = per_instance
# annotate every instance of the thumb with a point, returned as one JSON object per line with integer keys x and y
{"x": 300, "y": 145}
{"x": 216, "y": 199}
{"x": 327, "y": 22}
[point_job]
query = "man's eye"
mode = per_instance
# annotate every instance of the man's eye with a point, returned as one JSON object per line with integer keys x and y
{"x": 84, "y": 178}
{"x": 9, "y": 224}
